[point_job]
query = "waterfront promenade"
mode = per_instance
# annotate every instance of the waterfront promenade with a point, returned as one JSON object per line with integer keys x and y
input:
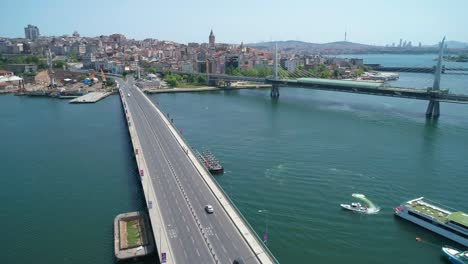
{"x": 177, "y": 188}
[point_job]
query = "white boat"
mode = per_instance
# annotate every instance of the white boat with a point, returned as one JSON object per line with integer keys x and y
{"x": 455, "y": 256}
{"x": 356, "y": 207}
{"x": 452, "y": 225}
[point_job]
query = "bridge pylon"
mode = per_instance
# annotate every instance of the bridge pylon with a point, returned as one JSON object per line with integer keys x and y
{"x": 274, "y": 91}
{"x": 274, "y": 87}
{"x": 433, "y": 108}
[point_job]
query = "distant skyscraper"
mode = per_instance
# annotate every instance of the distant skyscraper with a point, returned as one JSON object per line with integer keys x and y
{"x": 212, "y": 39}
{"x": 31, "y": 32}
{"x": 401, "y": 42}
{"x": 420, "y": 44}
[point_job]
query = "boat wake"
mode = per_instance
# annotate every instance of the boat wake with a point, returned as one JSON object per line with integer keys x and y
{"x": 372, "y": 208}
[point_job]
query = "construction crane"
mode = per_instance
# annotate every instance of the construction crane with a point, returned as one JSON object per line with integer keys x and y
{"x": 51, "y": 70}
{"x": 103, "y": 77}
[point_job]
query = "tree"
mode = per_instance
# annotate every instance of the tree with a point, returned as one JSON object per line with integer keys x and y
{"x": 325, "y": 74}
{"x": 83, "y": 76}
{"x": 59, "y": 64}
{"x": 110, "y": 82}
{"x": 73, "y": 57}
{"x": 336, "y": 74}
{"x": 249, "y": 72}
{"x": 264, "y": 71}
{"x": 152, "y": 70}
{"x": 172, "y": 81}
{"x": 201, "y": 79}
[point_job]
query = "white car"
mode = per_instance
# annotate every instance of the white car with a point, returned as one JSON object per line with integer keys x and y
{"x": 209, "y": 209}
{"x": 128, "y": 95}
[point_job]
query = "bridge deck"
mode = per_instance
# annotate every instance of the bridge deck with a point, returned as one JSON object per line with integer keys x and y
{"x": 182, "y": 189}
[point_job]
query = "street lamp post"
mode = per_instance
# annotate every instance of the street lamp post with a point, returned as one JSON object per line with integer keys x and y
{"x": 265, "y": 235}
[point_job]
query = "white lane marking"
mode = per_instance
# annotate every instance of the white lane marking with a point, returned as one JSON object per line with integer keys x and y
{"x": 224, "y": 249}
{"x": 193, "y": 240}
{"x": 183, "y": 218}
{"x": 198, "y": 253}
{"x": 188, "y": 230}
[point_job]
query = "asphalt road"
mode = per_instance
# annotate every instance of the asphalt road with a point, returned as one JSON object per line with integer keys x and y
{"x": 179, "y": 187}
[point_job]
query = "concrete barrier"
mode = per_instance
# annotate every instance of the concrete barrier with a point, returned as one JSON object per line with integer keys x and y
{"x": 157, "y": 222}
{"x": 249, "y": 235}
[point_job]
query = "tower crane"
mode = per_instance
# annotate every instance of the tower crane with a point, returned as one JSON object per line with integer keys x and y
{"x": 103, "y": 77}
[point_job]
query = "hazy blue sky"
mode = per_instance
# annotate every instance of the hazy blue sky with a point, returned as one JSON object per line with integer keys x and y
{"x": 366, "y": 21}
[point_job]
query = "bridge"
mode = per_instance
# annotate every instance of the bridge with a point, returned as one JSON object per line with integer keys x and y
{"x": 435, "y": 95}
{"x": 445, "y": 70}
{"x": 177, "y": 189}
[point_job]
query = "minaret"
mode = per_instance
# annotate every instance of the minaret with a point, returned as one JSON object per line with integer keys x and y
{"x": 212, "y": 39}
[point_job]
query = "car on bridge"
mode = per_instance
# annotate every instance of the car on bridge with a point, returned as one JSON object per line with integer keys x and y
{"x": 209, "y": 209}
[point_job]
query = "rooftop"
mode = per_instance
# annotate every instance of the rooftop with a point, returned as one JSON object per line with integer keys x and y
{"x": 429, "y": 210}
{"x": 459, "y": 217}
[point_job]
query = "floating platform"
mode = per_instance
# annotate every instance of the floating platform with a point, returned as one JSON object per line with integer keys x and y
{"x": 90, "y": 98}
{"x": 132, "y": 236}
{"x": 210, "y": 162}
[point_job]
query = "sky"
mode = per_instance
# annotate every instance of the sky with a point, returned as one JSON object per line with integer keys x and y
{"x": 376, "y": 22}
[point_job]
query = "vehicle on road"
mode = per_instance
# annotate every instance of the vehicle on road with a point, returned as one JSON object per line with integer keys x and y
{"x": 238, "y": 261}
{"x": 128, "y": 95}
{"x": 209, "y": 209}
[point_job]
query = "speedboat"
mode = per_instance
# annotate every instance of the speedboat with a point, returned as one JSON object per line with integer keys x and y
{"x": 356, "y": 207}
{"x": 455, "y": 256}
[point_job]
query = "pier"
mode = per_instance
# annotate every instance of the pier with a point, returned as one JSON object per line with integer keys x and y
{"x": 132, "y": 236}
{"x": 90, "y": 98}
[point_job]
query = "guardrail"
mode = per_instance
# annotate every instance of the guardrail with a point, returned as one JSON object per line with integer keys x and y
{"x": 245, "y": 222}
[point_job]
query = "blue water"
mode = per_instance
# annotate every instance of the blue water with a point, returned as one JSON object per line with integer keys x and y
{"x": 67, "y": 171}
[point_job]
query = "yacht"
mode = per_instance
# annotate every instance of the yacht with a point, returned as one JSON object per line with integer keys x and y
{"x": 452, "y": 225}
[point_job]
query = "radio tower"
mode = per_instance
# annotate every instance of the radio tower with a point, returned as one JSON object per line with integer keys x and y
{"x": 51, "y": 70}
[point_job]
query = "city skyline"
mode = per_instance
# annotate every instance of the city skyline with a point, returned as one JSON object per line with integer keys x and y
{"x": 247, "y": 22}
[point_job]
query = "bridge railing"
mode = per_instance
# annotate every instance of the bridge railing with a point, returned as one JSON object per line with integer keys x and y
{"x": 265, "y": 248}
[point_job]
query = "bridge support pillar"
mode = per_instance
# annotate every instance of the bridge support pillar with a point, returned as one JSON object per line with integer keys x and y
{"x": 274, "y": 91}
{"x": 433, "y": 110}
